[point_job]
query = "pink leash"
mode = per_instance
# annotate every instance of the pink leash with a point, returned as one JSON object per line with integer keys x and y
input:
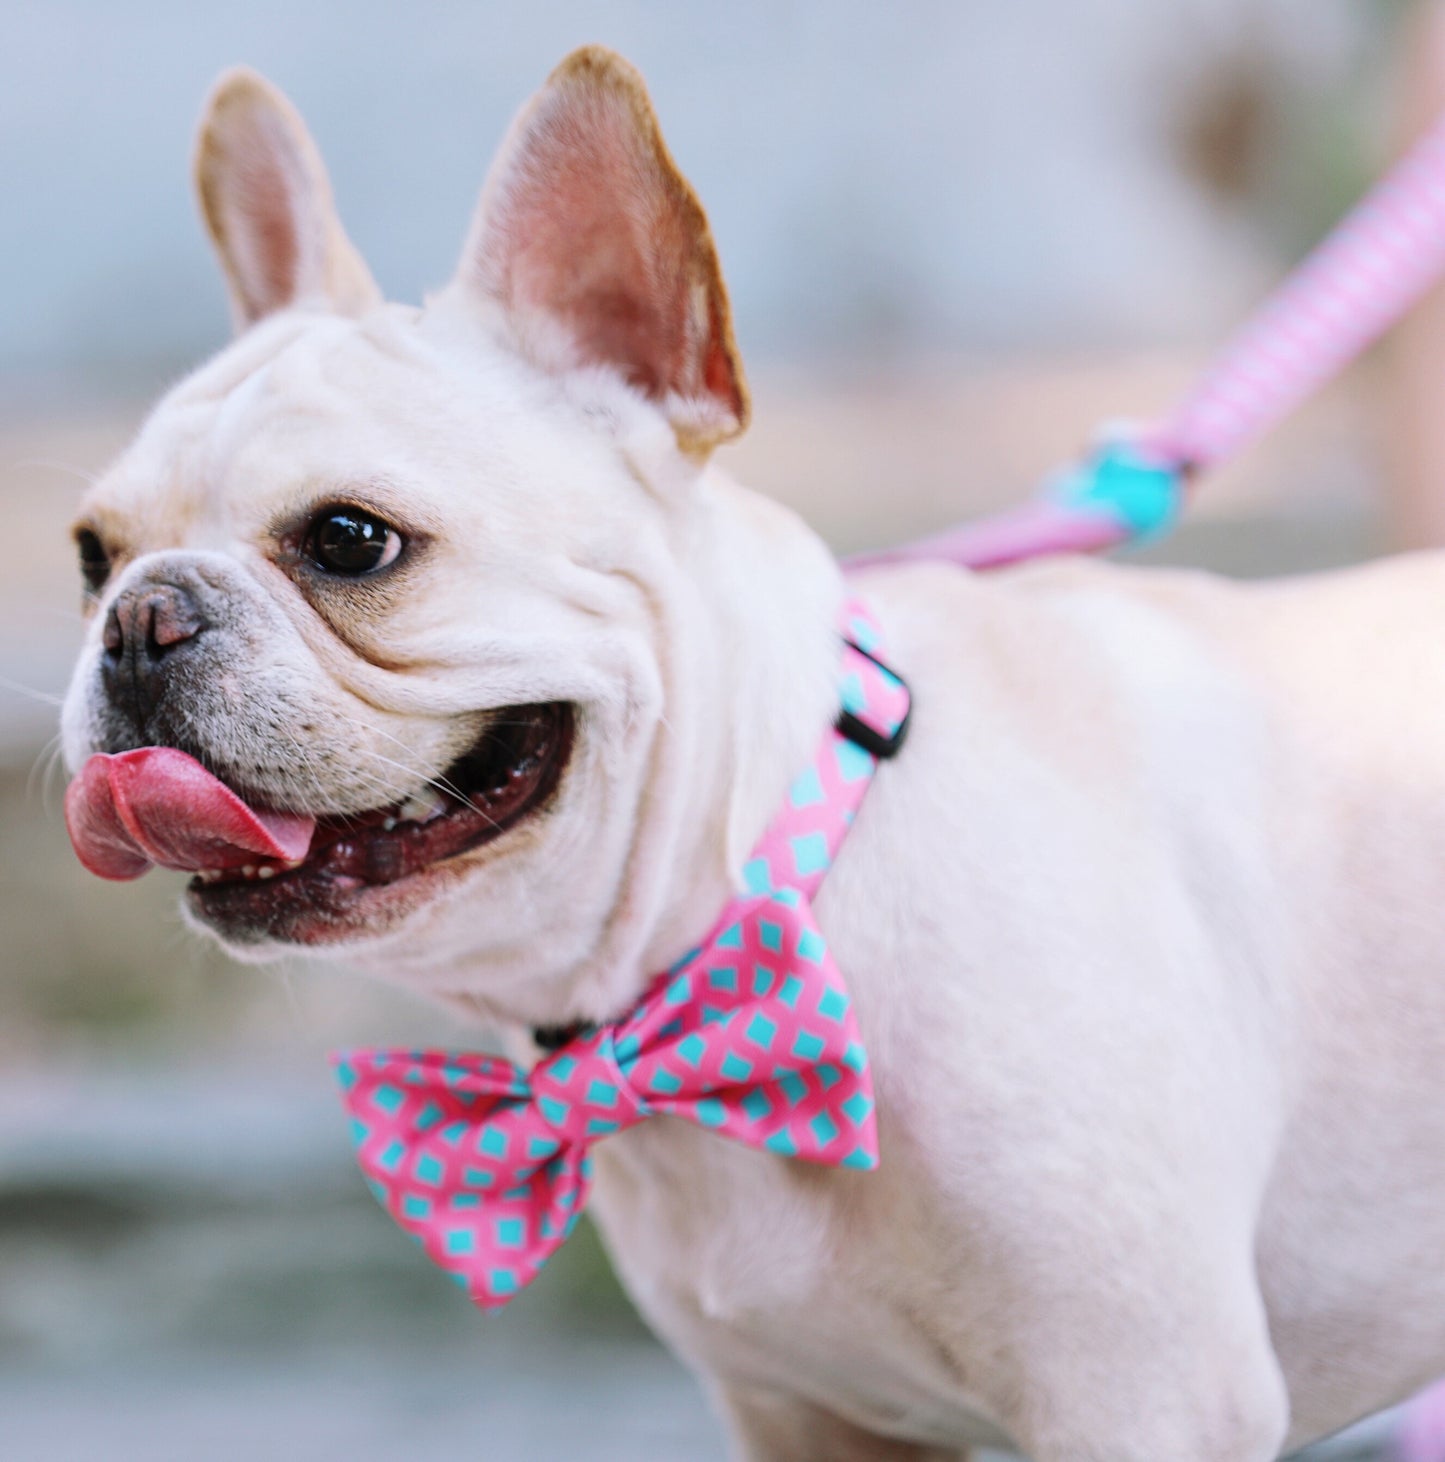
{"x": 1356, "y": 284}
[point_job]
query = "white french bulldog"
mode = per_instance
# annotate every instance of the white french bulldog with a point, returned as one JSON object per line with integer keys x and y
{"x": 1144, "y": 926}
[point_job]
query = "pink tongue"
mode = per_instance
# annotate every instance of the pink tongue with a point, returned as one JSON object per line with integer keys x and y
{"x": 158, "y": 805}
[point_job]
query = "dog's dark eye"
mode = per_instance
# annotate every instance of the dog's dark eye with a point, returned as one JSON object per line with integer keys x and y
{"x": 94, "y": 560}
{"x": 348, "y": 541}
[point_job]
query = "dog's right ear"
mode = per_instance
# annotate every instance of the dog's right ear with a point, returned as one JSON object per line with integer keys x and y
{"x": 267, "y": 203}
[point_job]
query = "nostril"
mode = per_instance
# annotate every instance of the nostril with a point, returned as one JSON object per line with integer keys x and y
{"x": 173, "y": 619}
{"x": 112, "y": 636}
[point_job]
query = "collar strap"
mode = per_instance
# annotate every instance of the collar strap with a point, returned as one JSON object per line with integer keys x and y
{"x": 875, "y": 707}
{"x": 878, "y": 731}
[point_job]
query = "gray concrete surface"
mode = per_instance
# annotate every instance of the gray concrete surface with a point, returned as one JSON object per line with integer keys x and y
{"x": 190, "y": 1267}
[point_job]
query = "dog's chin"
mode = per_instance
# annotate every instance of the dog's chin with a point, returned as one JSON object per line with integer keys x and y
{"x": 368, "y": 873}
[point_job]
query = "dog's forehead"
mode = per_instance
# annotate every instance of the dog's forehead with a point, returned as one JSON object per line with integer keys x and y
{"x": 304, "y": 403}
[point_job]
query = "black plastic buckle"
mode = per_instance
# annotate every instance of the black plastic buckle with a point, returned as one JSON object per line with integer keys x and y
{"x": 551, "y": 1038}
{"x": 860, "y": 733}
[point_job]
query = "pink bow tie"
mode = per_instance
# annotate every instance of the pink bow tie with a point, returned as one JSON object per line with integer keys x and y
{"x": 751, "y": 1035}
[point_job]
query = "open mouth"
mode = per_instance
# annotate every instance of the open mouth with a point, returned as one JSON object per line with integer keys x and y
{"x": 511, "y": 772}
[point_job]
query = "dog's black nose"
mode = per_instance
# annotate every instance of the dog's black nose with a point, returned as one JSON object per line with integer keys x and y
{"x": 146, "y": 627}
{"x": 151, "y": 621}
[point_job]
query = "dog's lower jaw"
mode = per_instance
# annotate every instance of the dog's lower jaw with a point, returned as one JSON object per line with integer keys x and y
{"x": 370, "y": 872}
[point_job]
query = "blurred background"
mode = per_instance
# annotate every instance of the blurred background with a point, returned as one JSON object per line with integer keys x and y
{"x": 959, "y": 234}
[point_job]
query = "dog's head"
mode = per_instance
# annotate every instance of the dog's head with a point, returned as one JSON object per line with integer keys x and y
{"x": 427, "y": 576}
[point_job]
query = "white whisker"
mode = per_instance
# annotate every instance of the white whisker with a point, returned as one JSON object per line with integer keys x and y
{"x": 43, "y": 696}
{"x": 50, "y": 465}
{"x": 42, "y": 770}
{"x": 439, "y": 782}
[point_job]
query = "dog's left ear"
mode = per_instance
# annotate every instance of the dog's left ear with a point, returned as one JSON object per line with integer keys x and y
{"x": 598, "y": 251}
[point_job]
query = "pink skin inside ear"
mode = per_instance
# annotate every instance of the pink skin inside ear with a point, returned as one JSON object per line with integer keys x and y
{"x": 621, "y": 289}
{"x": 158, "y": 806}
{"x": 589, "y": 223}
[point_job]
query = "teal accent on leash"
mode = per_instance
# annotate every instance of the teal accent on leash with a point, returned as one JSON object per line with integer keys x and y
{"x": 1144, "y": 495}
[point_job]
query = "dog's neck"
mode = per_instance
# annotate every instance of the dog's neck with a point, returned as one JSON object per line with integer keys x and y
{"x": 751, "y": 684}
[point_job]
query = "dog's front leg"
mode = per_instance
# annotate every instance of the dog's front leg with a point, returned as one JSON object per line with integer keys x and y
{"x": 770, "y": 1426}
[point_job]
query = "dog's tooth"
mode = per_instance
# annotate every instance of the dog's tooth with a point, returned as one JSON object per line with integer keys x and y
{"x": 265, "y": 871}
{"x": 389, "y": 825}
{"x": 249, "y": 871}
{"x": 422, "y": 806}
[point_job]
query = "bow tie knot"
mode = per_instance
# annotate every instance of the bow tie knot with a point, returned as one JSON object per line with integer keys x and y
{"x": 582, "y": 1091}
{"x": 751, "y": 1035}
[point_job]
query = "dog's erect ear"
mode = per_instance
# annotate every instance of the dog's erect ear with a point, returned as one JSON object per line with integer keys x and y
{"x": 267, "y": 204}
{"x": 598, "y": 251}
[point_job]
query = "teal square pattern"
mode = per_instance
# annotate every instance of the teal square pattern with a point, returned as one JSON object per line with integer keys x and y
{"x": 761, "y": 1031}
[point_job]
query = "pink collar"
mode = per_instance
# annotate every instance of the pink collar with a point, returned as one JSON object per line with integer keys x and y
{"x": 751, "y": 1034}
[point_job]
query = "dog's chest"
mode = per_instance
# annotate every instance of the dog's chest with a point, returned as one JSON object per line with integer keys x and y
{"x": 751, "y": 1268}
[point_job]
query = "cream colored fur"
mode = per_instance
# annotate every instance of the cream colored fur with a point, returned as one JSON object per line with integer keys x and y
{"x": 1145, "y": 925}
